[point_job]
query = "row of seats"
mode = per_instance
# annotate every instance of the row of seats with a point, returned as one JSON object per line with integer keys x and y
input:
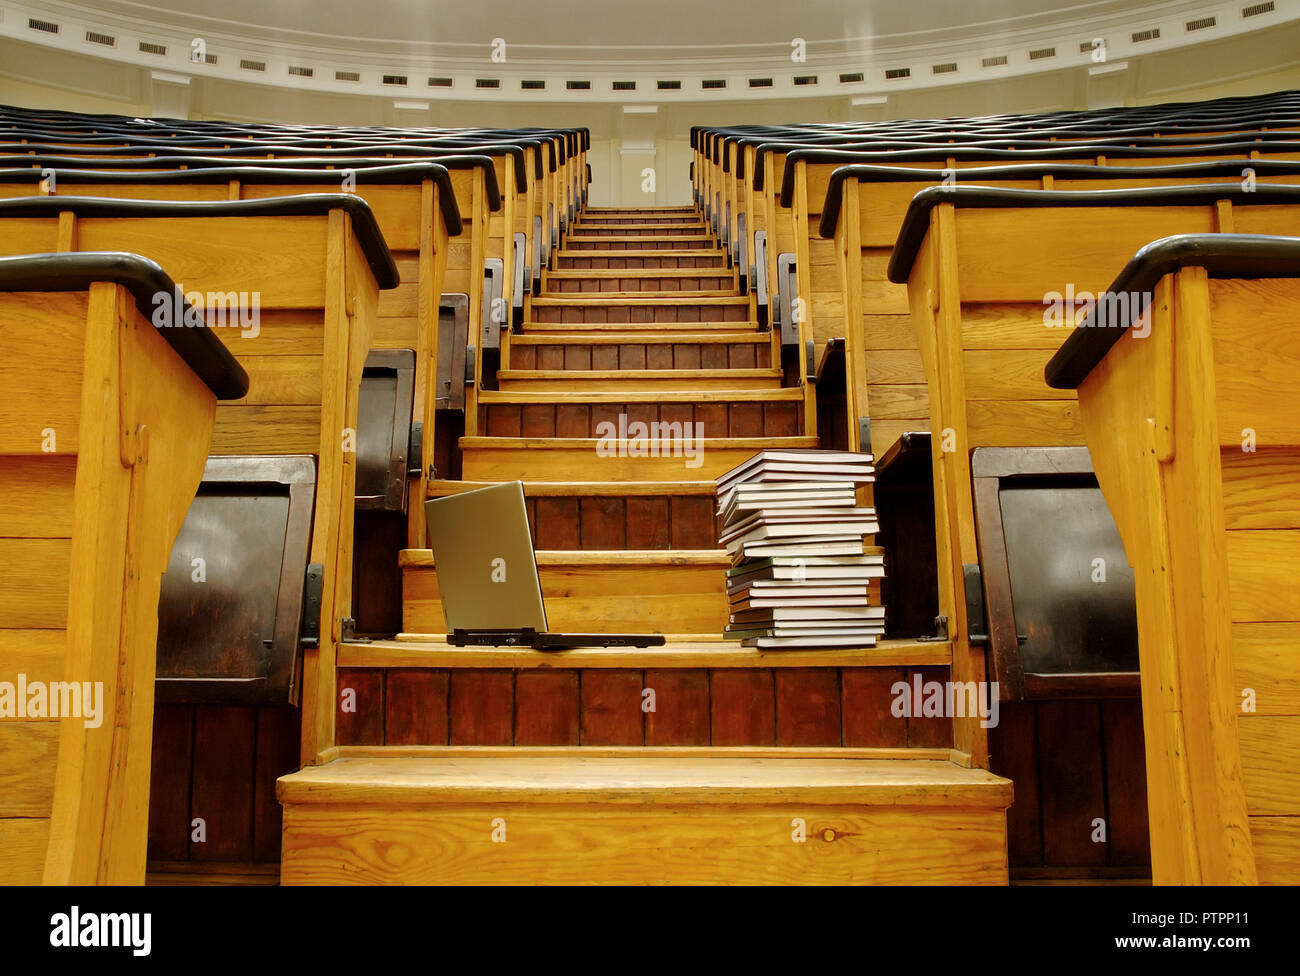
{"x": 308, "y": 248}
{"x": 954, "y": 259}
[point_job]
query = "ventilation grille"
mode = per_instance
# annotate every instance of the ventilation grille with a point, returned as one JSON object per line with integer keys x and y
{"x": 1042, "y": 52}
{"x": 805, "y": 79}
{"x": 347, "y": 76}
{"x": 578, "y": 85}
{"x": 440, "y": 82}
{"x": 760, "y": 82}
{"x": 1255, "y": 9}
{"x": 1087, "y": 46}
{"x": 301, "y": 72}
{"x": 714, "y": 83}
{"x": 209, "y": 59}
{"x": 892, "y": 73}
{"x": 850, "y": 77}
{"x": 669, "y": 85}
{"x": 1202, "y": 23}
{"x": 42, "y": 25}
{"x": 394, "y": 79}
{"x": 994, "y": 62}
{"x": 487, "y": 82}
{"x": 252, "y": 65}
{"x": 147, "y": 48}
{"x": 1146, "y": 35}
{"x": 624, "y": 86}
{"x": 532, "y": 85}
{"x": 943, "y": 69}
{"x": 108, "y": 40}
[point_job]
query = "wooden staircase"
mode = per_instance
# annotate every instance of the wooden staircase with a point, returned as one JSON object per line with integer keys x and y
{"x": 640, "y": 373}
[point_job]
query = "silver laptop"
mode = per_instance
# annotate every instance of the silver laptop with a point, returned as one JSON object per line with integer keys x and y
{"x": 487, "y": 574}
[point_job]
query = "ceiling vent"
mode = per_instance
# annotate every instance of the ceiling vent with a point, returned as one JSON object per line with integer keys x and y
{"x": 577, "y": 85}
{"x": 1202, "y": 23}
{"x": 805, "y": 79}
{"x": 850, "y": 77}
{"x": 252, "y": 65}
{"x": 1042, "y": 52}
{"x": 440, "y": 82}
{"x": 94, "y": 37}
{"x": 146, "y": 48}
{"x": 943, "y": 69}
{"x": 668, "y": 85}
{"x": 993, "y": 62}
{"x": 893, "y": 73}
{"x": 1147, "y": 35}
{"x": 44, "y": 26}
{"x": 347, "y": 76}
{"x": 760, "y": 82}
{"x": 713, "y": 83}
{"x": 1255, "y": 9}
{"x": 487, "y": 82}
{"x": 536, "y": 85}
{"x": 624, "y": 86}
{"x": 394, "y": 79}
{"x": 299, "y": 71}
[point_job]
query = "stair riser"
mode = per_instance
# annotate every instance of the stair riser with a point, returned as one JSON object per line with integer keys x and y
{"x": 608, "y": 599}
{"x": 638, "y": 242}
{"x": 600, "y": 218}
{"x": 710, "y": 420}
{"x": 576, "y": 381}
{"x": 718, "y": 284}
{"x": 616, "y": 314}
{"x": 783, "y": 707}
{"x": 641, "y": 843}
{"x": 700, "y": 355}
{"x": 614, "y": 263}
{"x": 649, "y": 230}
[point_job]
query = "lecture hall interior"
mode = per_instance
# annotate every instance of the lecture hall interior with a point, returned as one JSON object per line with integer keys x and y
{"x": 666, "y": 443}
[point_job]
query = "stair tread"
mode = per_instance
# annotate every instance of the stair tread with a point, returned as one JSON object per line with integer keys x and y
{"x": 573, "y": 778}
{"x": 703, "y": 252}
{"x": 437, "y": 488}
{"x": 589, "y": 443}
{"x": 571, "y": 273}
{"x": 599, "y": 557}
{"x": 617, "y": 338}
{"x": 638, "y": 298}
{"x": 680, "y": 651}
{"x": 616, "y": 328}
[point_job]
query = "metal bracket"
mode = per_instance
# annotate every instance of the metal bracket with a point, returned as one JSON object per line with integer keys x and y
{"x": 786, "y": 294}
{"x": 469, "y": 365}
{"x": 940, "y": 630}
{"x": 741, "y": 255}
{"x": 415, "y": 455}
{"x": 520, "y": 284}
{"x": 810, "y": 360}
{"x": 313, "y": 593}
{"x": 973, "y": 583}
{"x": 348, "y": 632}
{"x": 493, "y": 273}
{"x": 864, "y": 435}
{"x": 760, "y": 276}
{"x": 538, "y": 247}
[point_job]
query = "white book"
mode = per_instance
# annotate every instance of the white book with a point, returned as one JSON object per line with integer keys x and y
{"x": 776, "y": 643}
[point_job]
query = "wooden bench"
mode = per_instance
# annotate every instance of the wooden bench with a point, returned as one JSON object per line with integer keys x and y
{"x": 979, "y": 264}
{"x": 315, "y": 265}
{"x": 1193, "y": 431}
{"x": 104, "y": 435}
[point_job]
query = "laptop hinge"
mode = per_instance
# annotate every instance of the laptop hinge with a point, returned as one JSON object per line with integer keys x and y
{"x": 511, "y": 637}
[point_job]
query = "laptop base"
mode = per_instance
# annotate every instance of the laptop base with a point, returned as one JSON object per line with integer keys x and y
{"x": 528, "y": 637}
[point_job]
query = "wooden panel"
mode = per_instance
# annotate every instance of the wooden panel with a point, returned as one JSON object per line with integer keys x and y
{"x": 1126, "y": 783}
{"x": 38, "y": 496}
{"x": 360, "y": 717}
{"x": 808, "y": 707}
{"x": 1263, "y": 584}
{"x": 278, "y": 729}
{"x": 22, "y": 850}
{"x": 1073, "y": 797}
{"x": 1277, "y": 849}
{"x": 1023, "y": 423}
{"x": 1270, "y": 763}
{"x": 1008, "y": 326}
{"x": 28, "y": 751}
{"x": 169, "y": 784}
{"x": 1259, "y": 489}
{"x": 611, "y": 708}
{"x": 1009, "y": 374}
{"x": 48, "y": 398}
{"x": 1266, "y": 657}
{"x": 34, "y": 582}
{"x": 867, "y": 696}
{"x": 928, "y": 730}
{"x": 642, "y": 845}
{"x": 743, "y": 705}
{"x": 1256, "y": 348}
{"x": 680, "y": 716}
{"x": 481, "y": 706}
{"x": 225, "y": 745}
{"x": 546, "y": 708}
{"x": 1013, "y": 753}
{"x": 415, "y": 706}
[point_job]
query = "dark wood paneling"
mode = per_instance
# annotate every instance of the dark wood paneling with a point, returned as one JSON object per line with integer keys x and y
{"x": 1069, "y": 744}
{"x": 743, "y": 704}
{"x": 481, "y": 707}
{"x": 1013, "y": 753}
{"x": 867, "y": 697}
{"x": 225, "y": 744}
{"x": 278, "y": 731}
{"x": 546, "y": 708}
{"x": 1126, "y": 783}
{"x": 932, "y": 732}
{"x": 808, "y": 707}
{"x": 415, "y": 707}
{"x": 611, "y": 708}
{"x": 681, "y": 715}
{"x": 169, "y": 782}
{"x": 648, "y": 525}
{"x": 363, "y": 726}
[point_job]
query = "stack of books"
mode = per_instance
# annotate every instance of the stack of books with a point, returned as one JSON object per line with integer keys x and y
{"x": 800, "y": 565}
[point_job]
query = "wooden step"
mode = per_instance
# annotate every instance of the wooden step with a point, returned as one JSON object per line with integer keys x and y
{"x": 636, "y": 310}
{"x": 634, "y": 331}
{"x": 640, "y": 350}
{"x": 695, "y": 281}
{"x": 604, "y": 592}
{"x": 636, "y": 220}
{"x": 577, "y": 459}
{"x": 545, "y": 816}
{"x": 677, "y": 415}
{"x": 638, "y": 242}
{"x": 629, "y": 259}
{"x": 578, "y": 380}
